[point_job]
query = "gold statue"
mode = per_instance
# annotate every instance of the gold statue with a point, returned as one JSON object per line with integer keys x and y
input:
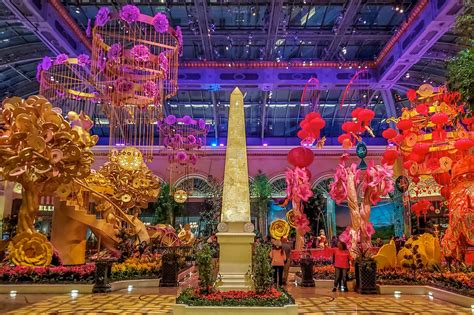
{"x": 40, "y": 150}
{"x": 185, "y": 235}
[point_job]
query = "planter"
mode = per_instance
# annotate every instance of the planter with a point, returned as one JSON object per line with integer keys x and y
{"x": 103, "y": 270}
{"x": 181, "y": 309}
{"x": 170, "y": 270}
{"x": 307, "y": 273}
{"x": 366, "y": 277}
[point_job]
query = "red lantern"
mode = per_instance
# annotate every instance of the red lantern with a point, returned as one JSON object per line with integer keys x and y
{"x": 439, "y": 119}
{"x": 355, "y": 112}
{"x": 404, "y": 124}
{"x": 300, "y": 157}
{"x": 312, "y": 115}
{"x": 418, "y": 158}
{"x": 442, "y": 178}
{"x": 421, "y": 148}
{"x": 317, "y": 124}
{"x": 350, "y": 126}
{"x": 445, "y": 192}
{"x": 345, "y": 140}
{"x": 407, "y": 164}
{"x": 411, "y": 95}
{"x": 366, "y": 115}
{"x": 464, "y": 144}
{"x": 302, "y": 134}
{"x": 390, "y": 156}
{"x": 422, "y": 109}
{"x": 389, "y": 133}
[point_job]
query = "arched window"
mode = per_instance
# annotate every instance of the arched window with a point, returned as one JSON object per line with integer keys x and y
{"x": 278, "y": 184}
{"x": 196, "y": 186}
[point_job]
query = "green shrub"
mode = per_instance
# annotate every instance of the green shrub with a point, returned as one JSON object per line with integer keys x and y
{"x": 262, "y": 268}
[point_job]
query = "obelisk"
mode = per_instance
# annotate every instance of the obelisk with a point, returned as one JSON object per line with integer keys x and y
{"x": 235, "y": 234}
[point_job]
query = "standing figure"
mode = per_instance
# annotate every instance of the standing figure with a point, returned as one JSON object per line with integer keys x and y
{"x": 341, "y": 266}
{"x": 278, "y": 257}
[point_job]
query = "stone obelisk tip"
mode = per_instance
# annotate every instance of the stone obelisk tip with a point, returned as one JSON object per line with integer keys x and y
{"x": 237, "y": 91}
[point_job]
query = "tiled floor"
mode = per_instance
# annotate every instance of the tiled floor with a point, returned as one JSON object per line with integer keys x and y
{"x": 158, "y": 301}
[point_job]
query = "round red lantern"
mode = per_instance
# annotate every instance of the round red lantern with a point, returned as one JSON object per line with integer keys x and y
{"x": 300, "y": 157}
{"x": 411, "y": 95}
{"x": 366, "y": 115}
{"x": 442, "y": 178}
{"x": 389, "y": 133}
{"x": 439, "y": 118}
{"x": 355, "y": 112}
{"x": 404, "y": 124}
{"x": 302, "y": 134}
{"x": 390, "y": 156}
{"x": 350, "y": 126}
{"x": 422, "y": 109}
{"x": 464, "y": 144}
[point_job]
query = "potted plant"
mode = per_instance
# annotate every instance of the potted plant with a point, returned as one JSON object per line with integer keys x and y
{"x": 365, "y": 271}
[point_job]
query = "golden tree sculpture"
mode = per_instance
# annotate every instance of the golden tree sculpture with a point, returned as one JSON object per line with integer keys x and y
{"x": 40, "y": 150}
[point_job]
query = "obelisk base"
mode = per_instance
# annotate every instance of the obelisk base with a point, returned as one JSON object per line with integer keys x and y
{"x": 235, "y": 259}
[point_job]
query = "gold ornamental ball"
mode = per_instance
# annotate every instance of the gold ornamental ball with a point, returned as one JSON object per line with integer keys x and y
{"x": 130, "y": 159}
{"x": 180, "y": 196}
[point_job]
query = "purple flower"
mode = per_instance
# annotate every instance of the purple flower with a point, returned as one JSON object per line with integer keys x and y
{"x": 160, "y": 22}
{"x": 46, "y": 63}
{"x": 177, "y": 139}
{"x": 83, "y": 60}
{"x": 122, "y": 85}
{"x": 140, "y": 53}
{"x": 179, "y": 35}
{"x": 88, "y": 29}
{"x": 102, "y": 17}
{"x": 187, "y": 120}
{"x": 170, "y": 120}
{"x": 163, "y": 61}
{"x": 191, "y": 139}
{"x": 39, "y": 68}
{"x": 115, "y": 52}
{"x": 149, "y": 89}
{"x": 60, "y": 59}
{"x": 181, "y": 156}
{"x": 201, "y": 124}
{"x": 129, "y": 13}
{"x": 199, "y": 142}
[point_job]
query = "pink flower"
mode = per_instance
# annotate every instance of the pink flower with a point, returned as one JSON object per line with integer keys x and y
{"x": 179, "y": 35}
{"x": 115, "y": 52}
{"x": 193, "y": 159}
{"x": 102, "y": 17}
{"x": 202, "y": 124}
{"x": 149, "y": 89}
{"x": 129, "y": 13}
{"x": 83, "y": 60}
{"x": 181, "y": 156}
{"x": 60, "y": 59}
{"x": 46, "y": 63}
{"x": 163, "y": 61}
{"x": 191, "y": 139}
{"x": 160, "y": 23}
{"x": 140, "y": 53}
{"x": 122, "y": 85}
{"x": 187, "y": 120}
{"x": 170, "y": 120}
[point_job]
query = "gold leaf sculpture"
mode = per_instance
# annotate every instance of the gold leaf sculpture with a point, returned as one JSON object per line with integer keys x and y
{"x": 40, "y": 150}
{"x": 126, "y": 180}
{"x": 279, "y": 228}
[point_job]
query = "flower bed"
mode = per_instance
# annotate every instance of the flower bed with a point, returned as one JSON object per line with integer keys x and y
{"x": 327, "y": 272}
{"x": 272, "y": 298}
{"x": 56, "y": 274}
{"x": 148, "y": 266}
{"x": 457, "y": 282}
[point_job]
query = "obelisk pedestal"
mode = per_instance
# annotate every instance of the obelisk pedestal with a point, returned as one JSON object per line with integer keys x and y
{"x": 235, "y": 235}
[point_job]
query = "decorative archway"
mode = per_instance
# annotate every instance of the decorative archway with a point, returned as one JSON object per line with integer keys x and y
{"x": 321, "y": 185}
{"x": 196, "y": 185}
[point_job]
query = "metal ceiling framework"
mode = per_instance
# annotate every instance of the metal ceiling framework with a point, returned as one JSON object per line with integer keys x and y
{"x": 269, "y": 48}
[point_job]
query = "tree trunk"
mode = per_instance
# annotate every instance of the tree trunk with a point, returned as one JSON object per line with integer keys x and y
{"x": 29, "y": 207}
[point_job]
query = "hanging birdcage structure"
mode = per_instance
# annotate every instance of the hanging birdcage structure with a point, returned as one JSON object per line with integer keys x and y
{"x": 182, "y": 139}
{"x": 313, "y": 123}
{"x": 65, "y": 83}
{"x": 134, "y": 67}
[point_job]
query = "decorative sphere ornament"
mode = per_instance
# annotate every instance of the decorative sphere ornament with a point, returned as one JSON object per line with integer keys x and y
{"x": 361, "y": 149}
{"x": 222, "y": 227}
{"x": 249, "y": 227}
{"x": 180, "y": 196}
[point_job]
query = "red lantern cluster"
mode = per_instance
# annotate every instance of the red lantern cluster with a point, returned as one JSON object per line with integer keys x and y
{"x": 421, "y": 207}
{"x": 430, "y": 138}
{"x": 311, "y": 127}
{"x": 300, "y": 157}
{"x": 361, "y": 119}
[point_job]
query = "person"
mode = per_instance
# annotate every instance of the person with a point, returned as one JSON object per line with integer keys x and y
{"x": 341, "y": 266}
{"x": 334, "y": 241}
{"x": 285, "y": 244}
{"x": 278, "y": 257}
